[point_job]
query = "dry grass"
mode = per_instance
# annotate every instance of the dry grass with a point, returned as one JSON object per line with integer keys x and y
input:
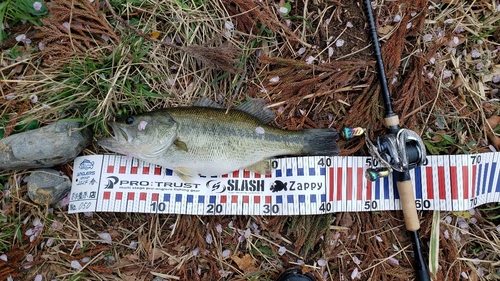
{"x": 440, "y": 87}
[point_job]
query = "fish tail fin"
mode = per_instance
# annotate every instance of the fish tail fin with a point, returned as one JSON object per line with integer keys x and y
{"x": 320, "y": 142}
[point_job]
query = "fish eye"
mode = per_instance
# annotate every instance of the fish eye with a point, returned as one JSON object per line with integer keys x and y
{"x": 129, "y": 120}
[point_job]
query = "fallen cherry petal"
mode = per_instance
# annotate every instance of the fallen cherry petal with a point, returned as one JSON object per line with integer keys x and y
{"x": 281, "y": 250}
{"x": 480, "y": 272}
{"x": 226, "y": 253}
{"x": 76, "y": 265}
{"x": 229, "y": 25}
{"x": 241, "y": 239}
{"x": 394, "y": 261}
{"x": 56, "y": 225}
{"x": 142, "y": 125}
{"x": 355, "y": 274}
{"x": 218, "y": 227}
{"x": 330, "y": 51}
{"x": 356, "y": 260}
{"x": 209, "y": 238}
{"x": 105, "y": 238}
{"x": 447, "y": 74}
{"x": 37, "y": 6}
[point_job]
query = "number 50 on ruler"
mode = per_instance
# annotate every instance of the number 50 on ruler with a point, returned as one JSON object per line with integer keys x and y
{"x": 296, "y": 186}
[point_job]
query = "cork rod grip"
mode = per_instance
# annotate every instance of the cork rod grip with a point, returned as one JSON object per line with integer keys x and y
{"x": 407, "y": 199}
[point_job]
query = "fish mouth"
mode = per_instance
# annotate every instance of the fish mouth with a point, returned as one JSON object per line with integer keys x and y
{"x": 121, "y": 134}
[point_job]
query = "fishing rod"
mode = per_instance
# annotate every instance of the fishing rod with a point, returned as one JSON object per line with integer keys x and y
{"x": 399, "y": 151}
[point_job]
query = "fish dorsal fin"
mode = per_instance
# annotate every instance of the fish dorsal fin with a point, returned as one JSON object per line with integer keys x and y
{"x": 257, "y": 108}
{"x": 206, "y": 102}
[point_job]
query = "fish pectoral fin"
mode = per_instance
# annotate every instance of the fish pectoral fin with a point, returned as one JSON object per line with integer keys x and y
{"x": 181, "y": 145}
{"x": 261, "y": 167}
{"x": 185, "y": 178}
{"x": 184, "y": 173}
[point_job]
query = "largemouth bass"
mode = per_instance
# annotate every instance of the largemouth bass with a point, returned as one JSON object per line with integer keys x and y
{"x": 206, "y": 140}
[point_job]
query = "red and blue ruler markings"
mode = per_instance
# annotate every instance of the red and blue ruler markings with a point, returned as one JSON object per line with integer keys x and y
{"x": 295, "y": 186}
{"x": 456, "y": 182}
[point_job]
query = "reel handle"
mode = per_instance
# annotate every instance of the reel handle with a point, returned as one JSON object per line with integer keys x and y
{"x": 373, "y": 174}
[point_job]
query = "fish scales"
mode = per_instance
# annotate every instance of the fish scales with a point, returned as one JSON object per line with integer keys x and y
{"x": 212, "y": 141}
{"x": 212, "y": 135}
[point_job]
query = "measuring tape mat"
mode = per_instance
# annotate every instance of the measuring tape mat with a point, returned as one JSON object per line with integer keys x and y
{"x": 295, "y": 186}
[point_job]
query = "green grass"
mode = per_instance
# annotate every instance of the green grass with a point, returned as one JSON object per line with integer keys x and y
{"x": 12, "y": 12}
{"x": 9, "y": 225}
{"x": 21, "y": 127}
{"x": 131, "y": 77}
{"x": 94, "y": 89}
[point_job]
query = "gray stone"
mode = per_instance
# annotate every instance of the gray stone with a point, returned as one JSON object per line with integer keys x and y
{"x": 55, "y": 144}
{"x": 47, "y": 186}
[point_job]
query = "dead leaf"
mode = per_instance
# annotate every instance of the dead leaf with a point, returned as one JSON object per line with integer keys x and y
{"x": 306, "y": 269}
{"x": 463, "y": 214}
{"x": 173, "y": 261}
{"x": 155, "y": 34}
{"x": 128, "y": 260}
{"x": 134, "y": 277}
{"x": 455, "y": 40}
{"x": 494, "y": 121}
{"x": 156, "y": 254}
{"x": 179, "y": 248}
{"x": 246, "y": 263}
{"x": 101, "y": 269}
{"x": 114, "y": 233}
{"x": 385, "y": 29}
{"x": 488, "y": 77}
{"x": 457, "y": 83}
